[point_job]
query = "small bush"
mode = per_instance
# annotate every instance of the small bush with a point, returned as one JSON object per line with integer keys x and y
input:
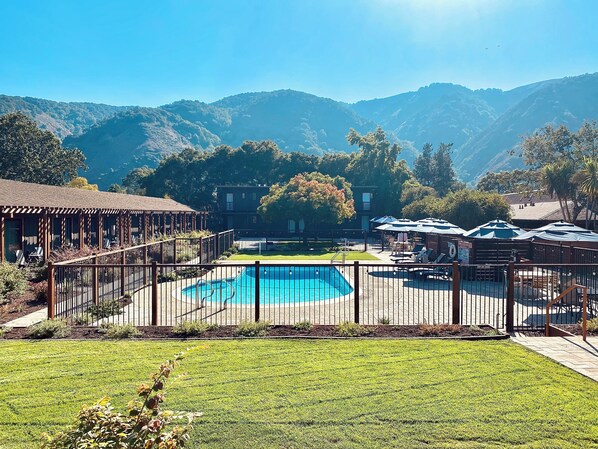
{"x": 351, "y": 329}
{"x": 119, "y": 331}
{"x": 303, "y": 326}
{"x": 105, "y": 309}
{"x": 167, "y": 277}
{"x": 81, "y": 319}
{"x": 12, "y": 282}
{"x": 592, "y": 325}
{"x": 193, "y": 328}
{"x": 145, "y": 425}
{"x": 439, "y": 329}
{"x": 4, "y": 330}
{"x": 40, "y": 290}
{"x": 49, "y": 329}
{"x": 253, "y": 329}
{"x": 181, "y": 258}
{"x": 384, "y": 320}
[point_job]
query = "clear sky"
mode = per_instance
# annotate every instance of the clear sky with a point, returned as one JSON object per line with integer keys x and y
{"x": 151, "y": 52}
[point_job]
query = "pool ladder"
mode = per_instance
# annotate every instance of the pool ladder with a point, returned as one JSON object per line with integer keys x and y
{"x": 202, "y": 303}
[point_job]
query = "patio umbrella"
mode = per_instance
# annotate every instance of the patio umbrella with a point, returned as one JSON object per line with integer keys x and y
{"x": 384, "y": 219}
{"x": 495, "y": 229}
{"x": 560, "y": 232}
{"x": 401, "y": 225}
{"x": 438, "y": 226}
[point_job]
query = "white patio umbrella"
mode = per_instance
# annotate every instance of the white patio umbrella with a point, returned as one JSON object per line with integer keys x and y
{"x": 438, "y": 226}
{"x": 560, "y": 232}
{"x": 495, "y": 229}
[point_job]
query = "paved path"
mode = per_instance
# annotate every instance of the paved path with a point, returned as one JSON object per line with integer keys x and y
{"x": 571, "y": 352}
{"x": 28, "y": 320}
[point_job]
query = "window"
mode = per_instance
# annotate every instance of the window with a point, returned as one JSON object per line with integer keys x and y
{"x": 366, "y": 200}
{"x": 254, "y": 196}
{"x": 365, "y": 223}
{"x": 292, "y": 226}
{"x": 229, "y": 201}
{"x": 254, "y": 219}
{"x": 243, "y": 195}
{"x": 301, "y": 225}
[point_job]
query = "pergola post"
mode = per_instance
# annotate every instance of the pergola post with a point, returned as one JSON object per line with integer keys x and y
{"x": 62, "y": 231}
{"x": 164, "y": 223}
{"x": 81, "y": 230}
{"x": 100, "y": 231}
{"x": 2, "y": 256}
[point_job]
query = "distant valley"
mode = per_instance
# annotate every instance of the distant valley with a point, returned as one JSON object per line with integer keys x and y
{"x": 482, "y": 124}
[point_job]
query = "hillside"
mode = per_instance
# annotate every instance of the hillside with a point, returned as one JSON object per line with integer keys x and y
{"x": 482, "y": 124}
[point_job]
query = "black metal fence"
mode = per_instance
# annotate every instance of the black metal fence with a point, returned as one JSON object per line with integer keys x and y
{"x": 164, "y": 283}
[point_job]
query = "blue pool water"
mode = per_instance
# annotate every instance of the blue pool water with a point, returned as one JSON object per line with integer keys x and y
{"x": 279, "y": 284}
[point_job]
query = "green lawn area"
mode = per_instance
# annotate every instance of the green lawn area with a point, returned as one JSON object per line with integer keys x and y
{"x": 300, "y": 255}
{"x": 313, "y": 393}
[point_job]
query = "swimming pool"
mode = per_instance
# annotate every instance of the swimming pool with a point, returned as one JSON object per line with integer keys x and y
{"x": 280, "y": 284}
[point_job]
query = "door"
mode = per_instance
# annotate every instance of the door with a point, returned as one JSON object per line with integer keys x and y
{"x": 13, "y": 238}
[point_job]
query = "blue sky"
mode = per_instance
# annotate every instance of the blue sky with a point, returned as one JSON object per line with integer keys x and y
{"x": 153, "y": 52}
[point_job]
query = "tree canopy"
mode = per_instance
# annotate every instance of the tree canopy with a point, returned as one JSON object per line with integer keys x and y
{"x": 312, "y": 197}
{"x": 30, "y": 154}
{"x": 435, "y": 169}
{"x": 81, "y": 183}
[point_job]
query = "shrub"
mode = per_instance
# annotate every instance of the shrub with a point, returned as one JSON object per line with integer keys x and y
{"x": 384, "y": 320}
{"x": 105, "y": 309}
{"x": 303, "y": 326}
{"x": 181, "y": 258}
{"x": 81, "y": 319}
{"x": 168, "y": 277}
{"x": 350, "y": 329}
{"x": 193, "y": 328}
{"x": 145, "y": 425}
{"x": 4, "y": 330}
{"x": 592, "y": 325}
{"x": 12, "y": 281}
{"x": 49, "y": 329}
{"x": 439, "y": 329}
{"x": 119, "y": 331}
{"x": 253, "y": 329}
{"x": 40, "y": 290}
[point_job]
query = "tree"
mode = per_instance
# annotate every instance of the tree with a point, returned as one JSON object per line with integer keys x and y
{"x": 376, "y": 164}
{"x": 588, "y": 182}
{"x": 414, "y": 191}
{"x": 312, "y": 197}
{"x": 558, "y": 179}
{"x": 470, "y": 208}
{"x": 134, "y": 182}
{"x": 429, "y": 206}
{"x": 115, "y": 188}
{"x": 81, "y": 183}
{"x": 423, "y": 169}
{"x": 31, "y": 155}
{"x": 516, "y": 181}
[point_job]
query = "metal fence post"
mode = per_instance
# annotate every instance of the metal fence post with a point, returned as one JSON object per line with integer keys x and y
{"x": 257, "y": 290}
{"x": 174, "y": 250}
{"x": 201, "y": 250}
{"x": 456, "y": 293}
{"x": 51, "y": 293}
{"x": 144, "y": 265}
{"x": 356, "y": 290}
{"x": 510, "y": 318}
{"x": 154, "y": 293}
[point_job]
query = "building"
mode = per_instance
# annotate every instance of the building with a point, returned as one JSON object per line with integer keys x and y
{"x": 51, "y": 217}
{"x": 237, "y": 209}
{"x": 536, "y": 209}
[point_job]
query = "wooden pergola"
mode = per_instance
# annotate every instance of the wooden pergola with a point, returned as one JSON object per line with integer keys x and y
{"x": 50, "y": 217}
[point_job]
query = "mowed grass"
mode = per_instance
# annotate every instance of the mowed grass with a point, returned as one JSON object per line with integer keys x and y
{"x": 313, "y": 394}
{"x": 301, "y": 255}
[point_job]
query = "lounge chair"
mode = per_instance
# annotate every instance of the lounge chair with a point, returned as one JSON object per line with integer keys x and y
{"x": 426, "y": 272}
{"x": 20, "y": 262}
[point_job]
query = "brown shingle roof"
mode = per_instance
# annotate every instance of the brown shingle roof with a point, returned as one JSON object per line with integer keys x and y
{"x": 15, "y": 194}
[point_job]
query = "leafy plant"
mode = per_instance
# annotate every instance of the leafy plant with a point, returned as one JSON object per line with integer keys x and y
{"x": 40, "y": 290}
{"x": 145, "y": 425}
{"x": 49, "y": 329}
{"x": 351, "y": 329}
{"x": 105, "y": 309}
{"x": 4, "y": 330}
{"x": 192, "y": 328}
{"x": 81, "y": 319}
{"x": 592, "y": 325}
{"x": 168, "y": 277}
{"x": 439, "y": 329}
{"x": 303, "y": 326}
{"x": 12, "y": 281}
{"x": 253, "y": 329}
{"x": 384, "y": 320}
{"x": 119, "y": 331}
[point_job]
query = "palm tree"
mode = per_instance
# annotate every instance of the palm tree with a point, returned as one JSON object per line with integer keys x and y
{"x": 588, "y": 184}
{"x": 558, "y": 181}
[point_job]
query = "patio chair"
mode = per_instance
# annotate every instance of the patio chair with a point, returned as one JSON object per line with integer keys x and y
{"x": 20, "y": 262}
{"x": 426, "y": 272}
{"x": 36, "y": 256}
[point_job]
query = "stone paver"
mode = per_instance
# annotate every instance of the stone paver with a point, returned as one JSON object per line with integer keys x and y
{"x": 571, "y": 352}
{"x": 28, "y": 320}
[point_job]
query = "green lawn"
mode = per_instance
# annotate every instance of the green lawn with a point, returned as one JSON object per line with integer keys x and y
{"x": 313, "y": 393}
{"x": 300, "y": 255}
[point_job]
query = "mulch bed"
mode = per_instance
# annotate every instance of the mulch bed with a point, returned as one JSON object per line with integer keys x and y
{"x": 575, "y": 329}
{"x": 21, "y": 306}
{"x": 224, "y": 332}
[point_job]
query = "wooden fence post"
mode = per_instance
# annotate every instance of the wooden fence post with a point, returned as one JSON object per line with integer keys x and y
{"x": 154, "y": 293}
{"x": 51, "y": 292}
{"x": 509, "y": 325}
{"x": 456, "y": 293}
{"x": 123, "y": 262}
{"x": 95, "y": 286}
{"x": 257, "y": 290}
{"x": 356, "y": 290}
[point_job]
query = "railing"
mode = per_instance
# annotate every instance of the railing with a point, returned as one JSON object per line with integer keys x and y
{"x": 571, "y": 291}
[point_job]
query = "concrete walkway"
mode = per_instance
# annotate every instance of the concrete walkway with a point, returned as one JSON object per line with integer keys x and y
{"x": 28, "y": 320}
{"x": 571, "y": 352}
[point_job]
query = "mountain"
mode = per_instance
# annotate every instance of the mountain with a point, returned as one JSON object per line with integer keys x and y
{"x": 63, "y": 119}
{"x": 134, "y": 138}
{"x": 484, "y": 125}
